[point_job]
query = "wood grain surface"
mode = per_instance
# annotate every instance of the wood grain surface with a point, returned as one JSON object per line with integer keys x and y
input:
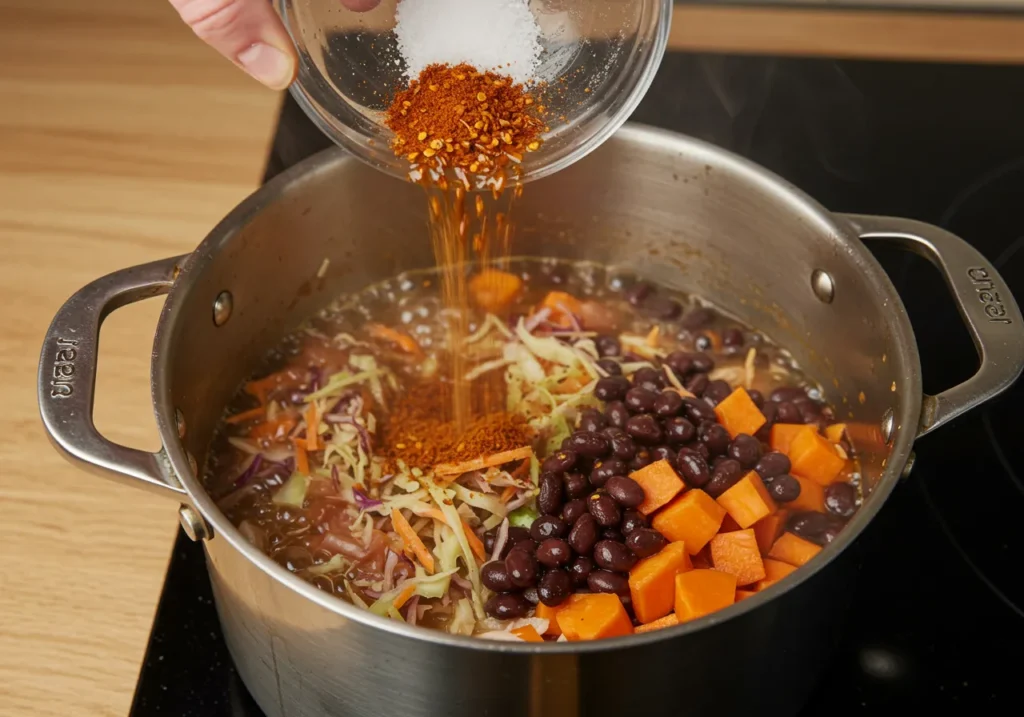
{"x": 122, "y": 140}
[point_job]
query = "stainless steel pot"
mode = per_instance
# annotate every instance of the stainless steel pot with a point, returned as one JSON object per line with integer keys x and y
{"x": 681, "y": 212}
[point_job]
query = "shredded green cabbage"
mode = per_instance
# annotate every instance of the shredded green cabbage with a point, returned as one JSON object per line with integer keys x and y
{"x": 293, "y": 492}
{"x": 522, "y": 517}
{"x": 342, "y": 380}
{"x": 464, "y": 620}
{"x": 549, "y": 348}
{"x": 335, "y": 563}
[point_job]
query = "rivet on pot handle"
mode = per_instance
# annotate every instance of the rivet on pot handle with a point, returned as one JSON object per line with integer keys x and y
{"x": 67, "y": 378}
{"x": 984, "y": 301}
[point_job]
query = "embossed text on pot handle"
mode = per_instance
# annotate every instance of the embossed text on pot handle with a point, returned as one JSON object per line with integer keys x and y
{"x": 984, "y": 301}
{"x": 67, "y": 377}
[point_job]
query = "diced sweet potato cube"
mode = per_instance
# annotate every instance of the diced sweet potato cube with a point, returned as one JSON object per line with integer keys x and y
{"x": 550, "y": 614}
{"x": 814, "y": 457}
{"x": 701, "y": 592}
{"x": 737, "y": 554}
{"x": 667, "y": 621}
{"x": 561, "y": 305}
{"x": 744, "y": 594}
{"x": 527, "y": 633}
{"x": 747, "y": 501}
{"x": 494, "y": 290}
{"x": 782, "y": 435}
{"x": 660, "y": 483}
{"x": 774, "y": 571}
{"x": 652, "y": 581}
{"x": 739, "y": 414}
{"x": 593, "y": 616}
{"x": 835, "y": 432}
{"x": 694, "y": 518}
{"x": 812, "y": 496}
{"x": 793, "y": 549}
{"x": 768, "y": 529}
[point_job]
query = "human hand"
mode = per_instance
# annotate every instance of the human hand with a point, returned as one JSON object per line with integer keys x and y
{"x": 250, "y": 34}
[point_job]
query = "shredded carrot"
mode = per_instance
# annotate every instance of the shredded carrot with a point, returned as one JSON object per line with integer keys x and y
{"x": 496, "y": 459}
{"x": 412, "y": 541}
{"x": 247, "y": 415}
{"x": 475, "y": 544}
{"x": 260, "y": 388}
{"x": 312, "y": 426}
{"x": 301, "y": 457}
{"x": 506, "y": 495}
{"x": 272, "y": 430}
{"x": 403, "y": 340}
{"x": 652, "y": 337}
{"x": 522, "y": 469}
{"x": 403, "y": 597}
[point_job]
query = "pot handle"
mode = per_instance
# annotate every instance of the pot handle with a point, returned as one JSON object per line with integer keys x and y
{"x": 986, "y": 305}
{"x": 67, "y": 378}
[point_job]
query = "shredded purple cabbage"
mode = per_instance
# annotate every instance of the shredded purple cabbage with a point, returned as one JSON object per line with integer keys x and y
{"x": 336, "y": 479}
{"x": 249, "y": 472}
{"x": 364, "y": 501}
{"x": 364, "y": 435}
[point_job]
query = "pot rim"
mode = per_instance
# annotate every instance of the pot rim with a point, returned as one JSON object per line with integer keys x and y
{"x": 906, "y": 420}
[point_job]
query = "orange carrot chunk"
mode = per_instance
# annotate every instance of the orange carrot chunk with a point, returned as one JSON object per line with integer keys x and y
{"x": 747, "y": 501}
{"x": 660, "y": 483}
{"x": 793, "y": 549}
{"x": 527, "y": 633}
{"x": 812, "y": 496}
{"x": 550, "y": 614}
{"x": 835, "y": 432}
{"x": 667, "y": 621}
{"x": 737, "y": 554}
{"x": 562, "y": 305}
{"x": 593, "y": 616}
{"x": 739, "y": 414}
{"x": 774, "y": 571}
{"x": 744, "y": 594}
{"x": 652, "y": 581}
{"x": 814, "y": 457}
{"x": 694, "y": 518}
{"x": 493, "y": 290}
{"x": 782, "y": 435}
{"x": 701, "y": 592}
{"x": 768, "y": 529}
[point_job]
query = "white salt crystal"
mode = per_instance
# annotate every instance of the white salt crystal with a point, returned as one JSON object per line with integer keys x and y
{"x": 498, "y": 35}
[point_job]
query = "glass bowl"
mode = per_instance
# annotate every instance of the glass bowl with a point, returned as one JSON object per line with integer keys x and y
{"x": 600, "y": 55}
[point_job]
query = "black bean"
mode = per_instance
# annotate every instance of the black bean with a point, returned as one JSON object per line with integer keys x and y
{"x": 787, "y": 394}
{"x": 610, "y": 366}
{"x": 724, "y": 477}
{"x": 489, "y": 538}
{"x": 495, "y": 577}
{"x": 668, "y": 404}
{"x": 507, "y": 606}
{"x": 693, "y": 468}
{"x": 810, "y": 412}
{"x": 592, "y": 420}
{"x": 608, "y": 346}
{"x": 613, "y": 556}
{"x": 645, "y": 542}
{"x": 732, "y": 337}
{"x": 717, "y": 391}
{"x": 623, "y": 446}
{"x": 772, "y": 464}
{"x": 679, "y": 430}
{"x": 757, "y": 397}
{"x": 518, "y": 535}
{"x": 548, "y": 526}
{"x": 841, "y": 499}
{"x": 703, "y": 363}
{"x": 714, "y": 436}
{"x": 702, "y": 342}
{"x": 638, "y": 293}
{"x": 580, "y": 569}
{"x": 770, "y": 411}
{"x": 549, "y": 499}
{"x": 527, "y": 544}
{"x": 626, "y": 491}
{"x": 554, "y": 587}
{"x": 680, "y": 362}
{"x": 605, "y": 581}
{"x": 745, "y": 449}
{"x": 662, "y": 307}
{"x": 559, "y": 462}
{"x": 650, "y": 378}
{"x": 583, "y": 534}
{"x": 812, "y": 525}
{"x": 605, "y": 511}
{"x": 572, "y": 510}
{"x": 642, "y": 459}
{"x": 603, "y": 470}
{"x": 784, "y": 488}
{"x": 576, "y": 485}
{"x": 640, "y": 400}
{"x": 554, "y": 552}
{"x": 522, "y": 567}
{"x": 787, "y": 413}
{"x": 617, "y": 414}
{"x": 830, "y": 533}
{"x": 612, "y": 534}
{"x": 663, "y": 453}
{"x": 644, "y": 428}
{"x": 589, "y": 445}
{"x": 531, "y": 595}
{"x": 698, "y": 411}
{"x": 611, "y": 388}
{"x": 632, "y": 520}
{"x": 697, "y": 384}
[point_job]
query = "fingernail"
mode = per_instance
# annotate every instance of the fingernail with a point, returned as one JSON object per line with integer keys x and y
{"x": 269, "y": 65}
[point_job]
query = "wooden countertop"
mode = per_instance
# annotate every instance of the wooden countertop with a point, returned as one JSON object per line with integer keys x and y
{"x": 122, "y": 140}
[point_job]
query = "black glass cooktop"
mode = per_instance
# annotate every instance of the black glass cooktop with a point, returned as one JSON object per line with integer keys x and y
{"x": 938, "y": 614}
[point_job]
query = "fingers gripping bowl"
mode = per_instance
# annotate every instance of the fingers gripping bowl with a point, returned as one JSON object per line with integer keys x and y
{"x": 674, "y": 211}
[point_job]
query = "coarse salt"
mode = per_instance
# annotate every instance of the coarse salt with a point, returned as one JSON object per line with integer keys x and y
{"x": 496, "y": 35}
